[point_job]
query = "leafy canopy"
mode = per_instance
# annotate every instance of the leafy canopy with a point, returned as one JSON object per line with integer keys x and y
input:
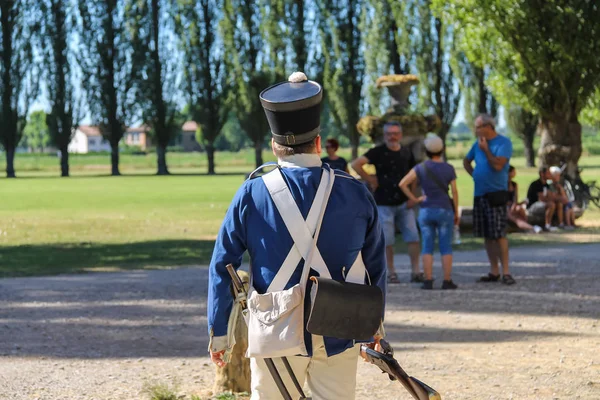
{"x": 543, "y": 53}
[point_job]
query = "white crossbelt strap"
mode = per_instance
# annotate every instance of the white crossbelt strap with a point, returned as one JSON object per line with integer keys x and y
{"x": 297, "y": 226}
{"x": 302, "y": 231}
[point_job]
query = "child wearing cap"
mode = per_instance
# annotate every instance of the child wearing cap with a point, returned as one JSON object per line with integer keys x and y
{"x": 438, "y": 210}
{"x": 567, "y": 219}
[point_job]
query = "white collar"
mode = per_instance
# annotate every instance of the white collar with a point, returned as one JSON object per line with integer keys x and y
{"x": 300, "y": 161}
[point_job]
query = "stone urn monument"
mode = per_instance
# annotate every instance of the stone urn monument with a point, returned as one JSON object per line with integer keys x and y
{"x": 415, "y": 126}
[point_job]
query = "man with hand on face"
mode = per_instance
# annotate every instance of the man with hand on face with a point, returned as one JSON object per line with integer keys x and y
{"x": 491, "y": 153}
{"x": 392, "y": 162}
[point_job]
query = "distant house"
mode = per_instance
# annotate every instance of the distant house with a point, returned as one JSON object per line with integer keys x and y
{"x": 187, "y": 137}
{"x": 88, "y": 139}
{"x": 138, "y": 136}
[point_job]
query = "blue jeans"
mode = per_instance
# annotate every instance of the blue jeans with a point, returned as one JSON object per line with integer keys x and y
{"x": 436, "y": 220}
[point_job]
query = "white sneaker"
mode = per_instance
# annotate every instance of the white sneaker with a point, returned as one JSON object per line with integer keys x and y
{"x": 550, "y": 228}
{"x": 537, "y": 229}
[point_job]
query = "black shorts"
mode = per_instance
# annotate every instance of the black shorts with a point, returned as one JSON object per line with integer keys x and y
{"x": 489, "y": 222}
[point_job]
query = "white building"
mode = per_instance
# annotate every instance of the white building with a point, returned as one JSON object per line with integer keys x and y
{"x": 88, "y": 139}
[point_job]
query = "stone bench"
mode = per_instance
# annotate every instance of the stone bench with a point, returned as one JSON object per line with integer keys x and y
{"x": 539, "y": 217}
{"x": 466, "y": 217}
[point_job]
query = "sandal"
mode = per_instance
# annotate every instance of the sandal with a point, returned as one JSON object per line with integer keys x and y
{"x": 508, "y": 280}
{"x": 419, "y": 278}
{"x": 489, "y": 278}
{"x": 393, "y": 278}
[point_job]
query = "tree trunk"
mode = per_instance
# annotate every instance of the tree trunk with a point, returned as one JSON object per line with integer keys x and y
{"x": 354, "y": 139}
{"x": 354, "y": 151}
{"x": 210, "y": 154}
{"x": 10, "y": 162}
{"x": 482, "y": 92}
{"x": 161, "y": 154}
{"x": 64, "y": 161}
{"x": 561, "y": 142}
{"x": 529, "y": 152}
{"x": 299, "y": 40}
{"x": 114, "y": 159}
{"x": 258, "y": 148}
{"x": 443, "y": 133}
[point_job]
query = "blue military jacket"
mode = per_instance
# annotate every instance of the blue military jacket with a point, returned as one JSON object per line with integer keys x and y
{"x": 253, "y": 224}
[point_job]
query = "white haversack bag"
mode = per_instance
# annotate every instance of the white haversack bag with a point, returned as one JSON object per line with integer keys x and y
{"x": 276, "y": 323}
{"x": 276, "y": 318}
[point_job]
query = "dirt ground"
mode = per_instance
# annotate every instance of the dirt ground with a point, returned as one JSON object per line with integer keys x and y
{"x": 106, "y": 335}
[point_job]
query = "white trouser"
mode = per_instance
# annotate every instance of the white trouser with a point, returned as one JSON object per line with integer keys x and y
{"x": 330, "y": 378}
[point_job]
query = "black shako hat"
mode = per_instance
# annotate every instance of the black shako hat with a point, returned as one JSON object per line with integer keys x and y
{"x": 293, "y": 109}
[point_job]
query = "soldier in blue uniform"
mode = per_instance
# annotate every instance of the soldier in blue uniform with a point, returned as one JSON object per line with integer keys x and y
{"x": 350, "y": 233}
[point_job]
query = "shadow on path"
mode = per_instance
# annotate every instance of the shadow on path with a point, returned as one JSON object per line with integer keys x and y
{"x": 161, "y": 313}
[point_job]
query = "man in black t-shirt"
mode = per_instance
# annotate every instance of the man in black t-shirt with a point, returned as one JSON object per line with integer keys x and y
{"x": 540, "y": 199}
{"x": 392, "y": 162}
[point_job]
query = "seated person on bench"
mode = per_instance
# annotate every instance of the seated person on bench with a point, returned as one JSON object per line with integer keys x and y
{"x": 541, "y": 200}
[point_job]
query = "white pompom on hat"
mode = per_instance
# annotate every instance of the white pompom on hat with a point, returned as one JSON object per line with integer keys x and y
{"x": 555, "y": 170}
{"x": 434, "y": 144}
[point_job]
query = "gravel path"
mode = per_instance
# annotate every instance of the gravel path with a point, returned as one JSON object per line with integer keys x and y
{"x": 106, "y": 335}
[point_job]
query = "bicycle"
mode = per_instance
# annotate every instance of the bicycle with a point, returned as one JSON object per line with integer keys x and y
{"x": 581, "y": 193}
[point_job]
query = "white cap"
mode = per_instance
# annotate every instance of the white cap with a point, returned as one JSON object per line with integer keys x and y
{"x": 434, "y": 144}
{"x": 555, "y": 170}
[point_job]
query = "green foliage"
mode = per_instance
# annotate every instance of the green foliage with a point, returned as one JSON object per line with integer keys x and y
{"x": 225, "y": 396}
{"x": 106, "y": 46}
{"x": 160, "y": 391}
{"x": 274, "y": 31}
{"x": 57, "y": 33}
{"x": 232, "y": 137}
{"x": 591, "y": 114}
{"x": 109, "y": 67}
{"x": 377, "y": 25}
{"x": 524, "y": 125}
{"x": 295, "y": 12}
{"x": 205, "y": 75}
{"x": 439, "y": 87}
{"x": 542, "y": 67}
{"x": 131, "y": 149}
{"x": 151, "y": 24}
{"x": 248, "y": 73}
{"x": 542, "y": 56}
{"x": 344, "y": 68}
{"x": 19, "y": 77}
{"x": 36, "y": 134}
{"x": 461, "y": 128}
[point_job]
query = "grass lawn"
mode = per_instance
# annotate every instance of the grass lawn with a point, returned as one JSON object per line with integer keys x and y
{"x": 51, "y": 225}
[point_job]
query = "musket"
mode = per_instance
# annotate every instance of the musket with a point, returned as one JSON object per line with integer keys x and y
{"x": 238, "y": 286}
{"x": 241, "y": 295}
{"x": 389, "y": 365}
